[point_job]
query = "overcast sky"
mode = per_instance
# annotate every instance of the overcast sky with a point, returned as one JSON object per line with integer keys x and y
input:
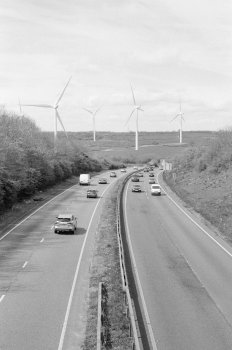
{"x": 164, "y": 48}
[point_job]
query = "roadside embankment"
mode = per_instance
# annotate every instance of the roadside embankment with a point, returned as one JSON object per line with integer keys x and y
{"x": 209, "y": 195}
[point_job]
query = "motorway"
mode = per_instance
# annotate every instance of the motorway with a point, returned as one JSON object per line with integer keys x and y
{"x": 184, "y": 273}
{"x": 44, "y": 276}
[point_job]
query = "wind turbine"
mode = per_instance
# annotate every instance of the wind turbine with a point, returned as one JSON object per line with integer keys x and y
{"x": 93, "y": 113}
{"x": 180, "y": 115}
{"x": 56, "y": 114}
{"x": 20, "y": 108}
{"x": 136, "y": 108}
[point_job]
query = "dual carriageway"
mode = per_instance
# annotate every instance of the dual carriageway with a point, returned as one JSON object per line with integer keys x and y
{"x": 183, "y": 272}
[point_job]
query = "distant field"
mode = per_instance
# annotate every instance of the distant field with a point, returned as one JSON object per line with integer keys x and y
{"x": 119, "y": 147}
{"x": 144, "y": 154}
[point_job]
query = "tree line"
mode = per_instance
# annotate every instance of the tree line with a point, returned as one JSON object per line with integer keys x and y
{"x": 28, "y": 162}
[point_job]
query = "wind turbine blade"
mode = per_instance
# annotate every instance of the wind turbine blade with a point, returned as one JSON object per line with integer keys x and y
{"x": 130, "y": 116}
{"x": 62, "y": 93}
{"x": 61, "y": 123}
{"x": 174, "y": 118}
{"x": 39, "y": 105}
{"x": 140, "y": 109}
{"x": 97, "y": 110}
{"x": 88, "y": 110}
{"x": 133, "y": 95}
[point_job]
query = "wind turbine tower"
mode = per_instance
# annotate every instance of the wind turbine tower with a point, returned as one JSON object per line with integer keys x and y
{"x": 55, "y": 107}
{"x": 93, "y": 113}
{"x": 135, "y": 109}
{"x": 20, "y": 108}
{"x": 181, "y": 118}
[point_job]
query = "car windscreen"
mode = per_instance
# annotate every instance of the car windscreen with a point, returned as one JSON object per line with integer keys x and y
{"x": 64, "y": 219}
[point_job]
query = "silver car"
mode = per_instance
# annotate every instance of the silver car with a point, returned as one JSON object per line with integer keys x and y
{"x": 65, "y": 223}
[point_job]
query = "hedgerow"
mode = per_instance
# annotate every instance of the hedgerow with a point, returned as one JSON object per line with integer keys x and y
{"x": 28, "y": 162}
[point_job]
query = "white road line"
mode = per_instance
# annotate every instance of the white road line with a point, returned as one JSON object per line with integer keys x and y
{"x": 42, "y": 240}
{"x": 52, "y": 227}
{"x": 25, "y": 264}
{"x": 60, "y": 347}
{"x": 148, "y": 322}
{"x": 201, "y": 228}
{"x": 2, "y": 297}
{"x": 42, "y": 206}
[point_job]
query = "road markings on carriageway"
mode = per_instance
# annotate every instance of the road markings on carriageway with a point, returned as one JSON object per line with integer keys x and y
{"x": 2, "y": 297}
{"x": 34, "y": 212}
{"x": 25, "y": 264}
{"x": 65, "y": 323}
{"x": 140, "y": 290}
{"x": 193, "y": 221}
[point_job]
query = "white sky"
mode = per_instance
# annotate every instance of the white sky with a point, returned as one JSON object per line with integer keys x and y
{"x": 164, "y": 48}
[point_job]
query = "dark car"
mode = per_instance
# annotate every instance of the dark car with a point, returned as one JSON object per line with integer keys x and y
{"x": 103, "y": 181}
{"x": 136, "y": 188}
{"x": 91, "y": 194}
{"x": 151, "y": 175}
{"x": 135, "y": 179}
{"x": 152, "y": 181}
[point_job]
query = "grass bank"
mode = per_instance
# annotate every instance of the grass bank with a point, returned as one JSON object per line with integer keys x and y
{"x": 105, "y": 268}
{"x": 208, "y": 194}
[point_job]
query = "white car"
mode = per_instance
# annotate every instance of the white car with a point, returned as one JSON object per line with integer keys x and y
{"x": 155, "y": 190}
{"x": 113, "y": 174}
{"x": 65, "y": 223}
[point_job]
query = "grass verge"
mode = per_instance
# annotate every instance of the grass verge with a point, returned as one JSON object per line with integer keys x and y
{"x": 106, "y": 268}
{"x": 208, "y": 195}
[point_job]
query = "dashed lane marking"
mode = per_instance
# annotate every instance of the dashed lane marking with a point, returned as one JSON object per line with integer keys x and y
{"x": 42, "y": 240}
{"x": 2, "y": 297}
{"x": 25, "y": 264}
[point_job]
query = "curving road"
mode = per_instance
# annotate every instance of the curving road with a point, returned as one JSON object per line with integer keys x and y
{"x": 44, "y": 276}
{"x": 185, "y": 273}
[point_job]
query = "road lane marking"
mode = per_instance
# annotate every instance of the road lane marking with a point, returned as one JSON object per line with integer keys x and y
{"x": 191, "y": 219}
{"x": 34, "y": 212}
{"x": 25, "y": 264}
{"x": 148, "y": 322}
{"x": 2, "y": 297}
{"x": 42, "y": 240}
{"x": 65, "y": 323}
{"x": 52, "y": 227}
{"x": 42, "y": 206}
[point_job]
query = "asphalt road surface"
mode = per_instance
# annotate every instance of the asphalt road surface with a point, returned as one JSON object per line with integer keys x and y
{"x": 184, "y": 271}
{"x": 44, "y": 276}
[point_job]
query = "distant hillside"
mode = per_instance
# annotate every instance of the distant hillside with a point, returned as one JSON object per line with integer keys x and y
{"x": 202, "y": 177}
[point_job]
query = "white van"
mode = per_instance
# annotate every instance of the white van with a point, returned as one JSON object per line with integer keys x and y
{"x": 155, "y": 190}
{"x": 84, "y": 179}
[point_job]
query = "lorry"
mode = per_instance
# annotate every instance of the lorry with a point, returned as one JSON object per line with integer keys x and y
{"x": 84, "y": 179}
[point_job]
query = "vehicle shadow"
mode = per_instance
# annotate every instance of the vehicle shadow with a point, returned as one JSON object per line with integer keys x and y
{"x": 80, "y": 231}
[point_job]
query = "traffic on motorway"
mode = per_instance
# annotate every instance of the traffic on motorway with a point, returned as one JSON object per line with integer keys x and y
{"x": 183, "y": 272}
{"x": 44, "y": 265}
